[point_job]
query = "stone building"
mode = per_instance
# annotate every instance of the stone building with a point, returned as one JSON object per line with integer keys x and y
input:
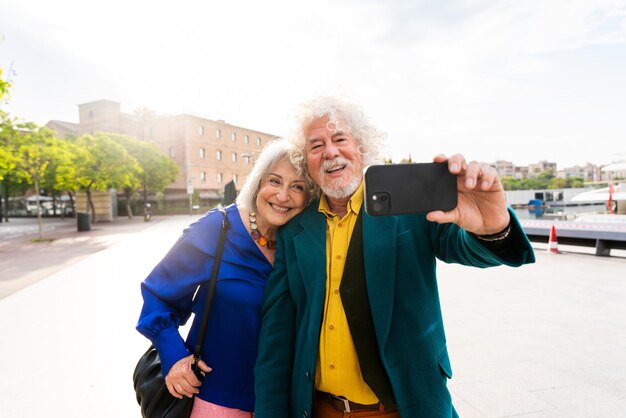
{"x": 208, "y": 153}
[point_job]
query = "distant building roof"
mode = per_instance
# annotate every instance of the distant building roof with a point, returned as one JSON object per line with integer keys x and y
{"x": 99, "y": 101}
{"x": 67, "y": 126}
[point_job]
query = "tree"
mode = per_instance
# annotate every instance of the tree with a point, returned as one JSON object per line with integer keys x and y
{"x": 575, "y": 182}
{"x": 102, "y": 163}
{"x": 558, "y": 183}
{"x": 6, "y": 157}
{"x": 61, "y": 173}
{"x": 510, "y": 183}
{"x": 544, "y": 178}
{"x": 12, "y": 179}
{"x": 7, "y": 164}
{"x": 35, "y": 148}
{"x": 158, "y": 170}
{"x": 407, "y": 160}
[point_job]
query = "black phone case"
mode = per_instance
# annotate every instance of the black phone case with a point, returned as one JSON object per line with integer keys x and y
{"x": 397, "y": 189}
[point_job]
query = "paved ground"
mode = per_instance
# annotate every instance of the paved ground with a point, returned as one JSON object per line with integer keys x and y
{"x": 545, "y": 340}
{"x": 24, "y": 261}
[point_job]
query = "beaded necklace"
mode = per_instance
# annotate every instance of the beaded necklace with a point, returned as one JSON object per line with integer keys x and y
{"x": 256, "y": 234}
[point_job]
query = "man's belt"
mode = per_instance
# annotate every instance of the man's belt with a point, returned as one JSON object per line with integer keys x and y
{"x": 342, "y": 404}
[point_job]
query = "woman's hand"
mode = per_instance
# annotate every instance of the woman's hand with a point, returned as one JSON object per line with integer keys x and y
{"x": 181, "y": 380}
{"x": 481, "y": 207}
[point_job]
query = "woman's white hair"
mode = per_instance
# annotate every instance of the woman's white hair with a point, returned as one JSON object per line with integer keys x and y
{"x": 273, "y": 153}
{"x": 371, "y": 142}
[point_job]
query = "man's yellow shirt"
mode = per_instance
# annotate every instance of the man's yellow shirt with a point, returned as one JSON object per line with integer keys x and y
{"x": 338, "y": 370}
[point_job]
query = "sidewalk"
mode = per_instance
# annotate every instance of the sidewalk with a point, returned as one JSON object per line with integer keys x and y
{"x": 68, "y": 344}
{"x": 24, "y": 261}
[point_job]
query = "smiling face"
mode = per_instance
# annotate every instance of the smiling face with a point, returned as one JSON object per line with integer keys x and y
{"x": 333, "y": 159}
{"x": 282, "y": 195}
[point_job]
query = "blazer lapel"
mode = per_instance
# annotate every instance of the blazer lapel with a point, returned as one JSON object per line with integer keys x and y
{"x": 379, "y": 252}
{"x": 379, "y": 249}
{"x": 310, "y": 250}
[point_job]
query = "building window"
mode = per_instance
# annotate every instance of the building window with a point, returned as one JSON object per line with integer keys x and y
{"x": 91, "y": 113}
{"x": 203, "y": 176}
{"x": 218, "y": 155}
{"x": 218, "y": 133}
{"x": 246, "y": 159}
{"x": 201, "y": 130}
{"x": 233, "y": 137}
{"x": 202, "y": 153}
{"x": 171, "y": 152}
{"x": 219, "y": 177}
{"x": 233, "y": 157}
{"x": 246, "y": 139}
{"x": 258, "y": 141}
{"x": 235, "y": 178}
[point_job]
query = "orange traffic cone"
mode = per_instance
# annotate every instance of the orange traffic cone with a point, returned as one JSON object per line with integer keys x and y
{"x": 553, "y": 244}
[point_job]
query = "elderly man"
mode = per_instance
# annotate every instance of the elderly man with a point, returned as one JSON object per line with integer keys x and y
{"x": 352, "y": 323}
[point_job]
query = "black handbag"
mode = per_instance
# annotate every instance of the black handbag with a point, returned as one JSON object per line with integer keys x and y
{"x": 150, "y": 389}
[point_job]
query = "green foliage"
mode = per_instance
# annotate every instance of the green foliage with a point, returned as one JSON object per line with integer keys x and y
{"x": 407, "y": 160}
{"x": 545, "y": 180}
{"x": 576, "y": 182}
{"x": 4, "y": 86}
{"x": 8, "y": 159}
{"x": 158, "y": 170}
{"x": 102, "y": 163}
{"x": 61, "y": 175}
{"x": 557, "y": 183}
{"x": 32, "y": 156}
{"x": 34, "y": 148}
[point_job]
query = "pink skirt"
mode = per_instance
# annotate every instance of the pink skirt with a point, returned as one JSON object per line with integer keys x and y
{"x": 204, "y": 409}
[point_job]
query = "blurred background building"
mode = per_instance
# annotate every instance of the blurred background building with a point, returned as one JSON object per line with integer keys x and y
{"x": 209, "y": 153}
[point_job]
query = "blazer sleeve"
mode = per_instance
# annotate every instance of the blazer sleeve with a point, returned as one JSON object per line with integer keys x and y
{"x": 276, "y": 343}
{"x": 168, "y": 290}
{"x": 455, "y": 245}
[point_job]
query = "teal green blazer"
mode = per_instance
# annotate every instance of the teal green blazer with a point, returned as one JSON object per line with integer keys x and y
{"x": 400, "y": 261}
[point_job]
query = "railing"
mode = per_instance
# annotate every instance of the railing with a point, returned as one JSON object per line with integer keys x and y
{"x": 604, "y": 236}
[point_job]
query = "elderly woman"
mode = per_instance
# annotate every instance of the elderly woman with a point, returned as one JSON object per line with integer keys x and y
{"x": 274, "y": 192}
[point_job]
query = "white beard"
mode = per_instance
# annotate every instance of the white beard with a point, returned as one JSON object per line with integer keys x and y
{"x": 334, "y": 188}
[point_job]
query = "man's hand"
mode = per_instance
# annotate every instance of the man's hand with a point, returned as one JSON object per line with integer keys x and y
{"x": 181, "y": 380}
{"x": 481, "y": 207}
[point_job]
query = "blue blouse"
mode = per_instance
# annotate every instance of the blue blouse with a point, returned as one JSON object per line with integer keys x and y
{"x": 230, "y": 345}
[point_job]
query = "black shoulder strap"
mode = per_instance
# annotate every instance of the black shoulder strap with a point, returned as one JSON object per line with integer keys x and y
{"x": 211, "y": 290}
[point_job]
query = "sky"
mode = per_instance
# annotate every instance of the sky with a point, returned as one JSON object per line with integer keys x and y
{"x": 521, "y": 81}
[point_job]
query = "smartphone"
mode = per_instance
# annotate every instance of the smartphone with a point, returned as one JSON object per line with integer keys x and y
{"x": 398, "y": 189}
